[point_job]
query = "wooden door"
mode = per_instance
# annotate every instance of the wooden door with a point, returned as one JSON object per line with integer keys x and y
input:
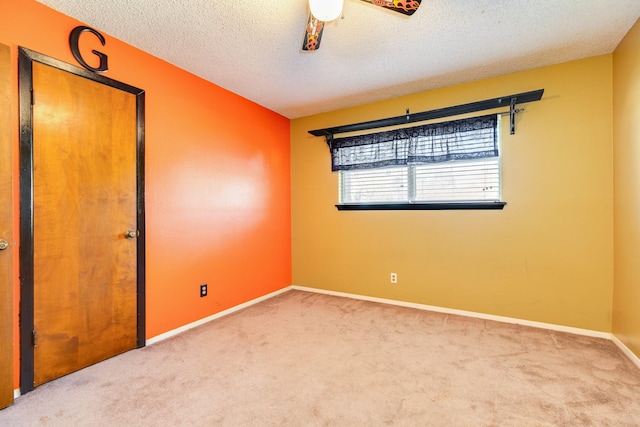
{"x": 84, "y": 204}
{"x": 6, "y": 235}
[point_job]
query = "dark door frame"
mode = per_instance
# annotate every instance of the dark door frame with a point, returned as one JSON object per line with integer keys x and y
{"x": 26, "y": 58}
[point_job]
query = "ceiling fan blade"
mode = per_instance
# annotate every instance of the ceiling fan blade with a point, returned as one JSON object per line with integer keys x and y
{"x": 312, "y": 34}
{"x": 406, "y": 7}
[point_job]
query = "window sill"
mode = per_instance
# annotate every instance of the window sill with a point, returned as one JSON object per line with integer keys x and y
{"x": 421, "y": 206}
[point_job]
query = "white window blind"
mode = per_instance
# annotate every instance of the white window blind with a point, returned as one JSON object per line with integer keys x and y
{"x": 374, "y": 185}
{"x": 435, "y": 171}
{"x": 474, "y": 180}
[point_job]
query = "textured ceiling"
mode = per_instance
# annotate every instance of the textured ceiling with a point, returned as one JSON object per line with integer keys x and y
{"x": 253, "y": 47}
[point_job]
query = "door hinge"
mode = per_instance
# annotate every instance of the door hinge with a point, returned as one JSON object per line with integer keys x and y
{"x": 33, "y": 337}
{"x": 33, "y": 98}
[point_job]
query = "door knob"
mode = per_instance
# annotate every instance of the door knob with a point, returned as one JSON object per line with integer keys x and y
{"x": 3, "y": 245}
{"x": 131, "y": 234}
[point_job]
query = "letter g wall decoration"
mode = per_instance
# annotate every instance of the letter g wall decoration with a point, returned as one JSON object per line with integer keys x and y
{"x": 74, "y": 39}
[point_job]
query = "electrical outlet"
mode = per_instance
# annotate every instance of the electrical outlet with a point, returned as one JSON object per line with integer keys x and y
{"x": 203, "y": 290}
{"x": 394, "y": 277}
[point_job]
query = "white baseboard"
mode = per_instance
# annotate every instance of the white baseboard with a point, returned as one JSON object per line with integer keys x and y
{"x": 207, "y": 319}
{"x": 503, "y": 319}
{"x": 16, "y": 393}
{"x": 626, "y": 350}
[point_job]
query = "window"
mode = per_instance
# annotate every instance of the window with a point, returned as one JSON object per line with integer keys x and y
{"x": 453, "y": 164}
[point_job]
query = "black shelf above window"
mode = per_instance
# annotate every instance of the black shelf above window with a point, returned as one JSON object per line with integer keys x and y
{"x": 488, "y": 104}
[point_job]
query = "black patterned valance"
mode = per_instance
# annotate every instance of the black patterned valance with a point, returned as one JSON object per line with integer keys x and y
{"x": 463, "y": 139}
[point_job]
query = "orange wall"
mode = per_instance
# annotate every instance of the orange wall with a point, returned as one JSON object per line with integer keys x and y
{"x": 217, "y": 177}
{"x": 547, "y": 257}
{"x": 626, "y": 138}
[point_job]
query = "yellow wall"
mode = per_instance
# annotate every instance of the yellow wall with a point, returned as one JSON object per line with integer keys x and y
{"x": 548, "y": 256}
{"x": 626, "y": 114}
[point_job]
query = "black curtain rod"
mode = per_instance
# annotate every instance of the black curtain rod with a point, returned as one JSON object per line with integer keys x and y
{"x": 488, "y": 104}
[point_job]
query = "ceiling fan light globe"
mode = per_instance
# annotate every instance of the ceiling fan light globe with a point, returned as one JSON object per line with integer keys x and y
{"x": 326, "y": 10}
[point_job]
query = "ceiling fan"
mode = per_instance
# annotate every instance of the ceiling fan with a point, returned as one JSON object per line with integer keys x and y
{"x": 322, "y": 11}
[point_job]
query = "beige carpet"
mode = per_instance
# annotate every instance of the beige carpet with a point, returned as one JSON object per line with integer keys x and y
{"x": 303, "y": 359}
